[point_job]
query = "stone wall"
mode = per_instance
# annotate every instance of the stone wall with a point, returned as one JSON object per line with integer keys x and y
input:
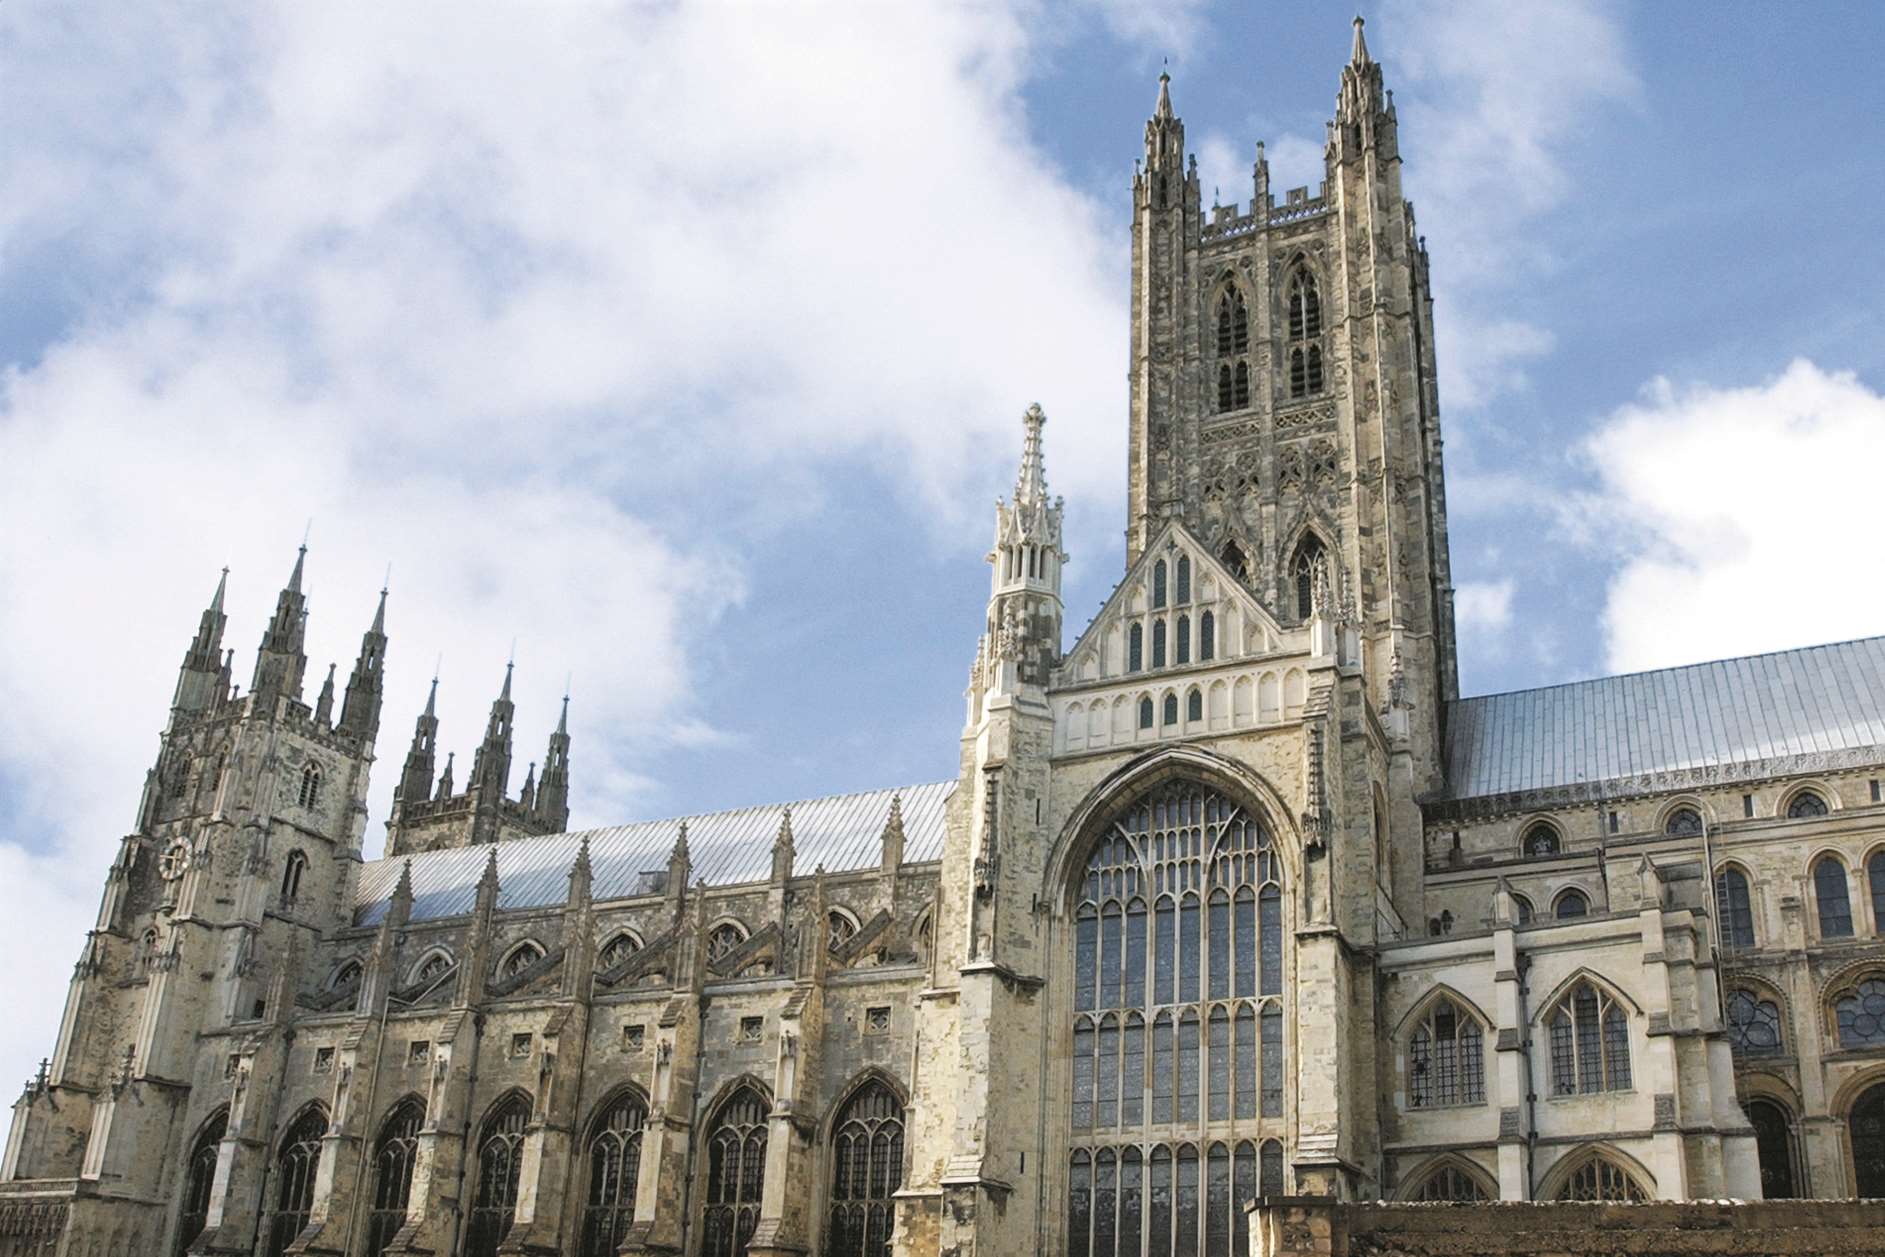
{"x": 1302, "y": 1227}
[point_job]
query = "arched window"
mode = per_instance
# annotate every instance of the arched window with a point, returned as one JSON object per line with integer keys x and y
{"x": 1590, "y": 1043}
{"x": 1182, "y": 640}
{"x": 1233, "y": 323}
{"x": 346, "y": 977}
{"x": 1158, "y": 643}
{"x": 1135, "y": 648}
{"x": 1194, "y": 705}
{"x": 1305, "y": 326}
{"x": 1304, "y": 570}
{"x": 1524, "y": 909}
{"x": 520, "y": 959}
{"x": 1446, "y": 1058}
{"x": 1171, "y": 709}
{"x": 1571, "y": 905}
{"x": 1875, "y": 878}
{"x": 1773, "y": 1144}
{"x": 1450, "y": 1183}
{"x": 1540, "y": 839}
{"x": 1859, "y": 1013}
{"x": 1804, "y": 804}
{"x": 1829, "y": 890}
{"x": 295, "y": 1164}
{"x": 614, "y": 1165}
{"x": 1177, "y": 1021}
{"x": 1753, "y": 1024}
{"x": 394, "y": 1154}
{"x": 839, "y": 930}
{"x": 1145, "y": 713}
{"x": 1270, "y": 1179}
{"x": 617, "y": 951}
{"x": 432, "y": 968}
{"x": 1207, "y": 651}
{"x": 291, "y": 876}
{"x": 198, "y": 1179}
{"x": 1158, "y": 584}
{"x": 736, "y": 1174}
{"x": 1684, "y": 822}
{"x": 1600, "y": 1179}
{"x": 724, "y": 941}
{"x": 1734, "y": 907}
{"x": 500, "y": 1159}
{"x": 1867, "y": 1129}
{"x": 1184, "y": 579}
{"x": 866, "y": 1172}
{"x": 310, "y": 786}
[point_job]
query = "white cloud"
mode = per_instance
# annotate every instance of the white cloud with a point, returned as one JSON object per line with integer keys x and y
{"x": 540, "y": 311}
{"x": 1745, "y": 519}
{"x": 1483, "y": 607}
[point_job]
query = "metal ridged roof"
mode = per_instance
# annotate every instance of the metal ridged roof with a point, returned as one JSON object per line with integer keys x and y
{"x": 843, "y": 833}
{"x": 1731, "y": 711}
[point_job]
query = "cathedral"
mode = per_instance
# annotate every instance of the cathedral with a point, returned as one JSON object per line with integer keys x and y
{"x": 1233, "y": 898}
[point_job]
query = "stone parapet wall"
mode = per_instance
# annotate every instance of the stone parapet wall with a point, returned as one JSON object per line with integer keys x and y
{"x": 1301, "y": 1227}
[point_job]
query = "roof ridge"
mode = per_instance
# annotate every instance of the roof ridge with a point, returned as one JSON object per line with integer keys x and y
{"x": 1678, "y": 667}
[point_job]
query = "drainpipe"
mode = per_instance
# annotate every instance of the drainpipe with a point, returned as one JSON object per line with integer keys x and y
{"x": 1531, "y": 1081}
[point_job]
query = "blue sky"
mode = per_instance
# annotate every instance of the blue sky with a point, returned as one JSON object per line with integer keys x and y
{"x": 688, "y": 345}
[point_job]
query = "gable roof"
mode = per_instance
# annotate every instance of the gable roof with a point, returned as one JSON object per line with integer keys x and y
{"x": 1801, "y": 706}
{"x": 842, "y": 832}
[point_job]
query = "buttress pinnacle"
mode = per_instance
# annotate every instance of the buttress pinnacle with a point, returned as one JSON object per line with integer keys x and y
{"x": 1030, "y": 485}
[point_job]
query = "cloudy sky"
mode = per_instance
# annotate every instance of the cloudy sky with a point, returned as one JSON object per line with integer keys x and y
{"x": 686, "y": 346}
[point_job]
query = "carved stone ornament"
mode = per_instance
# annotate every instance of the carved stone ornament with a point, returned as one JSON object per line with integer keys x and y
{"x": 175, "y": 860}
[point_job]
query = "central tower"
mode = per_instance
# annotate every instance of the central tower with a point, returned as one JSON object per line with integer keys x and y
{"x": 1283, "y": 403}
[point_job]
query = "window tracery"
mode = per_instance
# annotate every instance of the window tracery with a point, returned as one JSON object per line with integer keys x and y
{"x": 839, "y": 930}
{"x": 1600, "y": 1179}
{"x": 1305, "y": 570}
{"x": 1446, "y": 1058}
{"x": 1684, "y": 822}
{"x": 614, "y": 1165}
{"x": 1305, "y": 331}
{"x": 291, "y": 876}
{"x": 736, "y": 1174}
{"x": 500, "y": 1161}
{"x": 616, "y": 951}
{"x": 1450, "y": 1183}
{"x": 310, "y": 785}
{"x": 295, "y": 1165}
{"x": 395, "y": 1153}
{"x": 1590, "y": 1043}
{"x": 1178, "y": 1051}
{"x": 1805, "y": 804}
{"x": 521, "y": 958}
{"x": 1859, "y": 1013}
{"x": 724, "y": 941}
{"x": 866, "y": 1172}
{"x": 1233, "y": 347}
{"x": 1753, "y": 1024}
{"x": 199, "y": 1179}
{"x": 1540, "y": 839}
{"x": 432, "y": 968}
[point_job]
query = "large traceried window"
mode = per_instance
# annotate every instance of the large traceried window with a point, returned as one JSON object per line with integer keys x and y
{"x": 198, "y": 1180}
{"x": 614, "y": 1165}
{"x": 1233, "y": 348}
{"x": 1177, "y": 1038}
{"x": 1446, "y": 1058}
{"x": 394, "y": 1154}
{"x": 500, "y": 1161}
{"x": 1452, "y": 1184}
{"x": 866, "y": 1171}
{"x": 295, "y": 1164}
{"x": 736, "y": 1174}
{"x": 1598, "y": 1178}
{"x": 1590, "y": 1043}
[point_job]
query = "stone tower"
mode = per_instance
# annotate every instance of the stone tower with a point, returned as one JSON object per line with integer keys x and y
{"x": 1283, "y": 403}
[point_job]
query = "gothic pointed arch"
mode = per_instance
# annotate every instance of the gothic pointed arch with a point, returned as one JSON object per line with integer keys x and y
{"x": 499, "y": 1163}
{"x": 1598, "y": 1172}
{"x": 865, "y": 1132}
{"x": 734, "y": 1169}
{"x": 1310, "y": 535}
{"x": 199, "y": 1177}
{"x": 395, "y": 1155}
{"x": 611, "y": 1158}
{"x": 297, "y": 1160}
{"x": 1449, "y": 1177}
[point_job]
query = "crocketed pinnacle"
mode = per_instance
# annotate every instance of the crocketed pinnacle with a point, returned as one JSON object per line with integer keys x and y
{"x": 1163, "y": 110}
{"x": 1359, "y": 56}
{"x": 1030, "y": 486}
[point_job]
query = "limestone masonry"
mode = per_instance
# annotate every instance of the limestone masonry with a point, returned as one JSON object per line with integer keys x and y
{"x": 1233, "y": 897}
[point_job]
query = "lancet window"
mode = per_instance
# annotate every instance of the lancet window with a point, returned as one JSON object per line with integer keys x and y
{"x": 866, "y": 1172}
{"x": 199, "y": 1178}
{"x": 1305, "y": 336}
{"x": 1446, "y": 1058}
{"x": 1304, "y": 571}
{"x": 394, "y": 1154}
{"x": 310, "y": 786}
{"x": 617, "y": 950}
{"x": 1590, "y": 1043}
{"x": 295, "y": 1164}
{"x": 1177, "y": 1027}
{"x": 500, "y": 1160}
{"x": 736, "y": 1174}
{"x": 614, "y": 1164}
{"x": 1233, "y": 349}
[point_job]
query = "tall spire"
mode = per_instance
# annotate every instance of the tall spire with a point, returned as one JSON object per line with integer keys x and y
{"x": 1359, "y": 55}
{"x": 552, "y": 803}
{"x": 324, "y": 705}
{"x": 360, "y": 715}
{"x": 415, "y": 781}
{"x": 491, "y": 766}
{"x": 280, "y": 664}
{"x": 1031, "y": 481}
{"x": 1162, "y": 111}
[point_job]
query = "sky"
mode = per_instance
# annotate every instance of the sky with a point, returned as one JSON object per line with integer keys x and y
{"x": 685, "y": 347}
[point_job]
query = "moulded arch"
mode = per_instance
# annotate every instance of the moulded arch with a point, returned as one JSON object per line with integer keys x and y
{"x": 1693, "y": 802}
{"x": 1548, "y": 1005}
{"x": 1537, "y": 825}
{"x": 1759, "y": 1084}
{"x": 219, "y": 1113}
{"x": 1127, "y": 784}
{"x": 725, "y": 919}
{"x": 496, "y": 1107}
{"x": 1418, "y": 1177}
{"x": 1765, "y": 988}
{"x": 599, "y": 1111}
{"x": 854, "y": 1084}
{"x": 1566, "y": 892}
{"x": 732, "y": 1087}
{"x": 287, "y": 1128}
{"x": 1577, "y": 1158}
{"x": 1425, "y": 1003}
{"x": 1835, "y": 854}
{"x": 1826, "y": 793}
{"x": 436, "y": 951}
{"x": 619, "y": 933}
{"x": 1853, "y": 1089}
{"x": 520, "y": 946}
{"x": 342, "y": 972}
{"x": 392, "y": 1111}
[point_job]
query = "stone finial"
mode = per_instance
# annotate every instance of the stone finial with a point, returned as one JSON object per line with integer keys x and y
{"x": 581, "y": 873}
{"x": 1358, "y": 55}
{"x": 784, "y": 848}
{"x": 893, "y": 836}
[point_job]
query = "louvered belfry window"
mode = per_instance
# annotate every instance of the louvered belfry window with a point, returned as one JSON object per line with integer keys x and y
{"x": 1177, "y": 1028}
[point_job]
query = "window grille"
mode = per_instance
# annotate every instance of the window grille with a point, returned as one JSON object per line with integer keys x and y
{"x": 1184, "y": 579}
{"x": 1207, "y": 651}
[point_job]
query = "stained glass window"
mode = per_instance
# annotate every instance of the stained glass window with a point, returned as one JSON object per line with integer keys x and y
{"x": 1860, "y": 1013}
{"x": 1446, "y": 1058}
{"x": 1181, "y": 646}
{"x": 1158, "y": 643}
{"x": 1829, "y": 889}
{"x": 1207, "y": 639}
{"x": 395, "y": 1153}
{"x": 614, "y": 1166}
{"x": 1184, "y": 579}
{"x": 736, "y": 1174}
{"x": 1194, "y": 706}
{"x": 1178, "y": 959}
{"x": 500, "y": 1163}
{"x": 1590, "y": 1043}
{"x": 1735, "y": 908}
{"x": 1171, "y": 709}
{"x": 1270, "y": 1177}
{"x": 1805, "y": 804}
{"x": 295, "y": 1166}
{"x": 1303, "y": 571}
{"x": 1158, "y": 585}
{"x": 867, "y": 1171}
{"x": 1571, "y": 904}
{"x": 1135, "y": 648}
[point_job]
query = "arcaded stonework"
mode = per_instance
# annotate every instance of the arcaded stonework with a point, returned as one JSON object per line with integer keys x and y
{"x": 1233, "y": 896}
